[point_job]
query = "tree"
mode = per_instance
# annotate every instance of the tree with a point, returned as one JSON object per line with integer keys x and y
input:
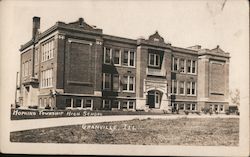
{"x": 235, "y": 97}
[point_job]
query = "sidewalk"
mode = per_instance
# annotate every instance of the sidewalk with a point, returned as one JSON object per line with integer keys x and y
{"x": 19, "y": 125}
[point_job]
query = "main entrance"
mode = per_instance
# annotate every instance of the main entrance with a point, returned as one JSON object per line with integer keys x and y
{"x": 154, "y": 99}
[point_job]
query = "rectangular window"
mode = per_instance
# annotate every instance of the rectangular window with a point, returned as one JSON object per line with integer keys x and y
{"x": 189, "y": 66}
{"x": 107, "y": 55}
{"x": 132, "y": 59}
{"x": 125, "y": 83}
{"x": 116, "y": 82}
{"x": 211, "y": 107}
{"x": 117, "y": 57}
{"x": 40, "y": 102}
{"x": 128, "y": 83}
{"x": 128, "y": 105}
{"x": 131, "y": 83}
{"x": 129, "y": 58}
{"x": 175, "y": 64}
{"x": 30, "y": 67}
{"x": 106, "y": 104}
{"x": 193, "y": 67}
{"x": 181, "y": 106}
{"x": 78, "y": 103}
{"x": 26, "y": 68}
{"x": 68, "y": 102}
{"x": 188, "y": 106}
{"x": 47, "y": 78}
{"x": 174, "y": 87}
{"x": 48, "y": 50}
{"x": 215, "y": 107}
{"x": 154, "y": 60}
{"x": 125, "y": 105}
{"x": 181, "y": 87}
{"x": 45, "y": 102}
{"x": 115, "y": 104}
{"x": 88, "y": 103}
{"x": 221, "y": 108}
{"x": 193, "y": 88}
{"x": 182, "y": 65}
{"x": 125, "y": 58}
{"x": 106, "y": 81}
{"x": 188, "y": 88}
{"x": 151, "y": 59}
{"x": 193, "y": 107}
{"x": 36, "y": 56}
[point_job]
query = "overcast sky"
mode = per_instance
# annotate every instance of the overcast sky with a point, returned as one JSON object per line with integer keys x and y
{"x": 183, "y": 23}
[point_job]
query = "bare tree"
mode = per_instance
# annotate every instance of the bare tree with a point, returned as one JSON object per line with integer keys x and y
{"x": 235, "y": 97}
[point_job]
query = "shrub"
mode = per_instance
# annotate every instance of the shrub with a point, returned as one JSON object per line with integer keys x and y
{"x": 47, "y": 107}
{"x": 33, "y": 107}
{"x": 186, "y": 112}
{"x": 206, "y": 110}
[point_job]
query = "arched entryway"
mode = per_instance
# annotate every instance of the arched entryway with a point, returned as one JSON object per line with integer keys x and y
{"x": 154, "y": 99}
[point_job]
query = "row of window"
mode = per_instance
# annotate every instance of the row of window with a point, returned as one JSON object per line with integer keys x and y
{"x": 48, "y": 50}
{"x": 79, "y": 103}
{"x": 183, "y": 87}
{"x": 183, "y": 106}
{"x": 128, "y": 82}
{"x": 114, "y": 56}
{"x": 26, "y": 68}
{"x": 116, "y": 104}
{"x": 47, "y": 78}
{"x": 184, "y": 66}
{"x": 218, "y": 108}
{"x": 45, "y": 102}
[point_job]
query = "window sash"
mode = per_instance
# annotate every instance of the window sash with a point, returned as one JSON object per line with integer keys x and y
{"x": 125, "y": 59}
{"x": 128, "y": 83}
{"x": 107, "y": 55}
{"x": 193, "y": 88}
{"x": 193, "y": 67}
{"x": 47, "y": 78}
{"x": 48, "y": 49}
{"x": 116, "y": 82}
{"x": 88, "y": 103}
{"x": 78, "y": 103}
{"x": 175, "y": 64}
{"x": 189, "y": 66}
{"x": 116, "y": 104}
{"x": 129, "y": 58}
{"x": 182, "y": 65}
{"x": 174, "y": 87}
{"x": 154, "y": 60}
{"x": 106, "y": 104}
{"x": 106, "y": 81}
{"x": 182, "y": 87}
{"x": 117, "y": 57}
{"x": 128, "y": 105}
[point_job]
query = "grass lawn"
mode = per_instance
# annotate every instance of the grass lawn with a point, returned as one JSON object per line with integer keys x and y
{"x": 181, "y": 131}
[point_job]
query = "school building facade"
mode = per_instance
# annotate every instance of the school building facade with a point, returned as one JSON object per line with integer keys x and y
{"x": 77, "y": 66}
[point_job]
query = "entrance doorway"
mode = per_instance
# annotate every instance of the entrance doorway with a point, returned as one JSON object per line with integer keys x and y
{"x": 154, "y": 99}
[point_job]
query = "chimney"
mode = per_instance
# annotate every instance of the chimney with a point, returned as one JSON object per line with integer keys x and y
{"x": 36, "y": 26}
{"x": 81, "y": 20}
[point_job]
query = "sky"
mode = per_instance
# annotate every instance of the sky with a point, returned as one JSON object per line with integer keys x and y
{"x": 182, "y": 23}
